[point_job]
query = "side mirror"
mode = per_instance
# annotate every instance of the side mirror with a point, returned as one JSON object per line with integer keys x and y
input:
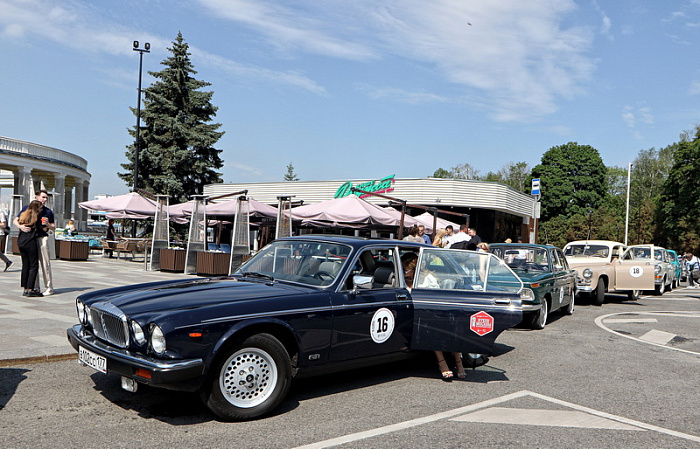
{"x": 362, "y": 282}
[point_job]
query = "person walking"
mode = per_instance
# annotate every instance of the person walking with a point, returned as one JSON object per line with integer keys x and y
{"x": 42, "y": 234}
{"x": 4, "y": 231}
{"x": 29, "y": 223}
{"x": 692, "y": 263}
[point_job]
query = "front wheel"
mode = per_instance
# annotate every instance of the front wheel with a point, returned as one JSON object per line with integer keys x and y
{"x": 251, "y": 379}
{"x": 661, "y": 288}
{"x": 633, "y": 295}
{"x": 599, "y": 293}
{"x": 539, "y": 318}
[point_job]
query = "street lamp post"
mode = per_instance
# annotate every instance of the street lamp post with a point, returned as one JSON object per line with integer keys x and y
{"x": 146, "y": 49}
{"x": 627, "y": 213}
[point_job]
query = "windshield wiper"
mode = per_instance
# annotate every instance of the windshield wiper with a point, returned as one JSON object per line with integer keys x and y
{"x": 255, "y": 274}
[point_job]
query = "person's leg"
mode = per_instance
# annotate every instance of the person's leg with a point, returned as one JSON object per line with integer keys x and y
{"x": 25, "y": 270}
{"x": 444, "y": 369}
{"x": 458, "y": 363}
{"x": 45, "y": 261}
{"x": 33, "y": 262}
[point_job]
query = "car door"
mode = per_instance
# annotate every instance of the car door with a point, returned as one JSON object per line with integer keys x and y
{"x": 565, "y": 277}
{"x": 634, "y": 273}
{"x": 462, "y": 300}
{"x": 374, "y": 317}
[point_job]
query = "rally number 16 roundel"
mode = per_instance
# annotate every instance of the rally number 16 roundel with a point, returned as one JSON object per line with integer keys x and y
{"x": 382, "y": 325}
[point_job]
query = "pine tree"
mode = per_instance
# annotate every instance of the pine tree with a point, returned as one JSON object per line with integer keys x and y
{"x": 176, "y": 153}
{"x": 290, "y": 175}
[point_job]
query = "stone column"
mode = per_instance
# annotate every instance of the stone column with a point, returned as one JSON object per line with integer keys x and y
{"x": 79, "y": 212}
{"x": 59, "y": 199}
{"x": 24, "y": 184}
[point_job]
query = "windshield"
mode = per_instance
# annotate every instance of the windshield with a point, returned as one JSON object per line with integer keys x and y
{"x": 464, "y": 270}
{"x": 523, "y": 258}
{"x": 583, "y": 250}
{"x": 302, "y": 261}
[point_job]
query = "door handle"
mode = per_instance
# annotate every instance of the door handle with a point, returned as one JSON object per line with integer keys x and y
{"x": 401, "y": 296}
{"x": 502, "y": 301}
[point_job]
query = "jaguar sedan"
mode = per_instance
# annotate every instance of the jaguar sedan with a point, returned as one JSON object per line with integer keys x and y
{"x": 301, "y": 306}
{"x": 546, "y": 273}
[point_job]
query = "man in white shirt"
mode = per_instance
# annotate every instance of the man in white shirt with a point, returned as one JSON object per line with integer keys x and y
{"x": 461, "y": 236}
{"x": 4, "y": 231}
{"x": 692, "y": 262}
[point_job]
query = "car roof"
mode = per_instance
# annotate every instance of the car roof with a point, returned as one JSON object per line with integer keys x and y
{"x": 522, "y": 245}
{"x": 594, "y": 242}
{"x": 352, "y": 240}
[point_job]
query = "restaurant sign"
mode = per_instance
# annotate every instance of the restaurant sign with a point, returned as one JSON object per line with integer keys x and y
{"x": 383, "y": 185}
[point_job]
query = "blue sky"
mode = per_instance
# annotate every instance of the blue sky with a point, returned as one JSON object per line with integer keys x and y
{"x": 360, "y": 89}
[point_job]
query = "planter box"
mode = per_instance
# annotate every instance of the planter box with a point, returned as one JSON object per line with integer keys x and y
{"x": 71, "y": 250}
{"x": 172, "y": 259}
{"x": 212, "y": 264}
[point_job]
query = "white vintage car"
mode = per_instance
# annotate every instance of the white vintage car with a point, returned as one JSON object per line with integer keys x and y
{"x": 601, "y": 269}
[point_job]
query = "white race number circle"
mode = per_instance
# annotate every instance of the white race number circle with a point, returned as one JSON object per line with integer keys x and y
{"x": 636, "y": 271}
{"x": 382, "y": 325}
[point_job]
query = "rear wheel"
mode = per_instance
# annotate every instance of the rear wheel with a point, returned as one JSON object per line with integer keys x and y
{"x": 251, "y": 379}
{"x": 599, "y": 293}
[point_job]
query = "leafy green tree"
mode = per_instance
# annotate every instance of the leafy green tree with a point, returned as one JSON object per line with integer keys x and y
{"x": 441, "y": 173}
{"x": 176, "y": 153}
{"x": 572, "y": 180}
{"x": 680, "y": 198}
{"x": 461, "y": 171}
{"x": 290, "y": 175}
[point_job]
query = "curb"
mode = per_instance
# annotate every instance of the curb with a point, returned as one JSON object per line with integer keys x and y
{"x": 38, "y": 359}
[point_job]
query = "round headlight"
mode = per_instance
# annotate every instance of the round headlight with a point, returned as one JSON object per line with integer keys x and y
{"x": 587, "y": 273}
{"x": 157, "y": 339}
{"x": 139, "y": 335}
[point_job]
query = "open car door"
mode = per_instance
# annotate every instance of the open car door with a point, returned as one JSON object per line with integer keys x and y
{"x": 634, "y": 274}
{"x": 462, "y": 301}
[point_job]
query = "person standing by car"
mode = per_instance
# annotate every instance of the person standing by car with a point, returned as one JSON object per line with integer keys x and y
{"x": 42, "y": 234}
{"x": 29, "y": 223}
{"x": 474, "y": 239}
{"x": 693, "y": 269}
{"x": 4, "y": 231}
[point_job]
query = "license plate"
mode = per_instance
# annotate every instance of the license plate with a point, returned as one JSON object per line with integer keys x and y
{"x": 94, "y": 361}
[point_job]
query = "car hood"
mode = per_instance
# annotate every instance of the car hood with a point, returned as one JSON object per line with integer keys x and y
{"x": 180, "y": 295}
{"x": 581, "y": 261}
{"x": 530, "y": 276}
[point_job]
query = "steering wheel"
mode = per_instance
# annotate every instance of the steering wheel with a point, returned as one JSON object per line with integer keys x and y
{"x": 324, "y": 275}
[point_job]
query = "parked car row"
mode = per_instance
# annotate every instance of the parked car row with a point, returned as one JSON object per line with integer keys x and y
{"x": 311, "y": 304}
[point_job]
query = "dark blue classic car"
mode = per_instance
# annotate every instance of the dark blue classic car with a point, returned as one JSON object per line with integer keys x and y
{"x": 302, "y": 305}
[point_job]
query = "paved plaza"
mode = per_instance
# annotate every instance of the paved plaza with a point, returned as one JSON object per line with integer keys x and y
{"x": 35, "y": 328}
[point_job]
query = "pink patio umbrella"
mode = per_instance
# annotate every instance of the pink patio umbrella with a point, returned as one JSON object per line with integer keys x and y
{"x": 129, "y": 205}
{"x": 348, "y": 211}
{"x": 426, "y": 219}
{"x": 255, "y": 208}
{"x": 408, "y": 220}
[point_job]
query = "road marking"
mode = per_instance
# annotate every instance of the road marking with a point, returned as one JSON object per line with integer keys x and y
{"x": 602, "y": 320}
{"x": 553, "y": 418}
{"x": 631, "y": 320}
{"x": 657, "y": 336}
{"x": 452, "y": 414}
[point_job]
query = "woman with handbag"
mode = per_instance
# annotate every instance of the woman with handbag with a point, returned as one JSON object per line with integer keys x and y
{"x": 29, "y": 247}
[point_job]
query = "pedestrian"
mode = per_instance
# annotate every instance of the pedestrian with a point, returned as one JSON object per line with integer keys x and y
{"x": 413, "y": 235}
{"x": 111, "y": 238}
{"x": 42, "y": 234}
{"x": 459, "y": 237}
{"x": 29, "y": 223}
{"x": 693, "y": 265}
{"x": 440, "y": 238}
{"x": 426, "y": 237}
{"x": 474, "y": 239}
{"x": 4, "y": 231}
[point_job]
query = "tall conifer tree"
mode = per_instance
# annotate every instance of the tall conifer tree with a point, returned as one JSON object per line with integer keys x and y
{"x": 176, "y": 153}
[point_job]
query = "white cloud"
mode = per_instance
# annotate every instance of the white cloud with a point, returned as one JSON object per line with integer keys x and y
{"x": 403, "y": 96}
{"x": 513, "y": 55}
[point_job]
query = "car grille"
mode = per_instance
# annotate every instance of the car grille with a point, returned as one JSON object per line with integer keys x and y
{"x": 109, "y": 324}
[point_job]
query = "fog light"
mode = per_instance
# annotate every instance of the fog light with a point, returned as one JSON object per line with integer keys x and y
{"x": 129, "y": 384}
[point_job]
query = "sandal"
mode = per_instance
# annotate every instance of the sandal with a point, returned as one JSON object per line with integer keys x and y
{"x": 461, "y": 374}
{"x": 447, "y": 375}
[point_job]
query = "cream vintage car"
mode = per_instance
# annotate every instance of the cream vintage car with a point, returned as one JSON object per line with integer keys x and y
{"x": 601, "y": 269}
